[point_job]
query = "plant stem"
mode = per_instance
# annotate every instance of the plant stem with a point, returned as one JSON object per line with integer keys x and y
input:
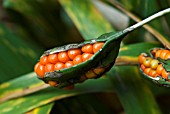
{"x": 141, "y": 23}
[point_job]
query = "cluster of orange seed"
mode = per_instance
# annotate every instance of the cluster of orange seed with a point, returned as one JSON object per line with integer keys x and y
{"x": 151, "y": 66}
{"x": 161, "y": 53}
{"x": 65, "y": 59}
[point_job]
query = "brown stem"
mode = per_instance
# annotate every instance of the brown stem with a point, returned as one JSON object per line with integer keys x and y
{"x": 123, "y": 60}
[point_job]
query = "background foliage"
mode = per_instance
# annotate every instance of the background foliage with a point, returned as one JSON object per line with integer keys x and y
{"x": 29, "y": 27}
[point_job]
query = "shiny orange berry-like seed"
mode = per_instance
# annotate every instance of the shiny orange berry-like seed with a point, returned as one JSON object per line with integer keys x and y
{"x": 142, "y": 67}
{"x": 167, "y": 56}
{"x": 158, "y": 53}
{"x": 53, "y": 58}
{"x": 154, "y": 51}
{"x": 40, "y": 71}
{"x": 86, "y": 56}
{"x": 36, "y": 66}
{"x": 73, "y": 53}
{"x": 52, "y": 83}
{"x": 97, "y": 46}
{"x": 44, "y": 60}
{"x": 59, "y": 66}
{"x": 147, "y": 62}
{"x": 88, "y": 48}
{"x": 152, "y": 73}
{"x": 159, "y": 69}
{"x": 63, "y": 57}
{"x": 78, "y": 59}
{"x": 165, "y": 74}
{"x": 49, "y": 67}
{"x": 141, "y": 58}
{"x": 163, "y": 54}
{"x": 147, "y": 70}
{"x": 69, "y": 64}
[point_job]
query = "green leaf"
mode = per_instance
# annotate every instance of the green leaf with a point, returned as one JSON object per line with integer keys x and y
{"x": 40, "y": 22}
{"x": 133, "y": 92}
{"x": 128, "y": 54}
{"x": 45, "y": 109}
{"x": 86, "y": 17}
{"x": 133, "y": 50}
{"x": 29, "y": 102}
{"x": 166, "y": 64}
{"x": 18, "y": 56}
{"x": 20, "y": 86}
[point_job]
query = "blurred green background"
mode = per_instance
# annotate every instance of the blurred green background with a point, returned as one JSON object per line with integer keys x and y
{"x": 29, "y": 27}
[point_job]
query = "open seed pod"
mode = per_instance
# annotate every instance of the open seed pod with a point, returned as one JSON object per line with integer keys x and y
{"x": 74, "y": 63}
{"x": 155, "y": 66}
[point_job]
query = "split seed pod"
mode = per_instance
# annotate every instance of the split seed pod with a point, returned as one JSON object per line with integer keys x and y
{"x": 68, "y": 69}
{"x": 155, "y": 66}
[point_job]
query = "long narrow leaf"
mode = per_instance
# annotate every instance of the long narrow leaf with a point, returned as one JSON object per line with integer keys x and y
{"x": 133, "y": 92}
{"x": 17, "y": 56}
{"x": 84, "y": 12}
{"x": 27, "y": 103}
{"x": 45, "y": 109}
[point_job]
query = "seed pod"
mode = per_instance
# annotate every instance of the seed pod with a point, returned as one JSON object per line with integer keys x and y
{"x": 155, "y": 66}
{"x": 88, "y": 64}
{"x": 90, "y": 61}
